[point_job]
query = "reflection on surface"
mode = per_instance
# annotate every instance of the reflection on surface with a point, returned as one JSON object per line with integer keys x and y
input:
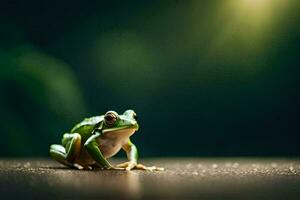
{"x": 109, "y": 183}
{"x": 184, "y": 178}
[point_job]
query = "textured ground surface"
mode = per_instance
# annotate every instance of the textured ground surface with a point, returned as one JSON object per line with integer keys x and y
{"x": 184, "y": 178}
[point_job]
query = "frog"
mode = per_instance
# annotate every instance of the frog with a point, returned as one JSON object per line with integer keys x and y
{"x": 91, "y": 142}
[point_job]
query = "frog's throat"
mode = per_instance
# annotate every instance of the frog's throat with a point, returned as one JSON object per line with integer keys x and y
{"x": 119, "y": 129}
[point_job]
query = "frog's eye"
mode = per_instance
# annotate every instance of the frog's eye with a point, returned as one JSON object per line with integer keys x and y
{"x": 110, "y": 118}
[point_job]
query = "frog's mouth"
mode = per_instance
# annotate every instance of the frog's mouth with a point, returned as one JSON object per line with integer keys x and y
{"x": 118, "y": 133}
{"x": 127, "y": 130}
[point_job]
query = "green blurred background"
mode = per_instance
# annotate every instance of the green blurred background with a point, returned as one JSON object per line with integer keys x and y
{"x": 206, "y": 78}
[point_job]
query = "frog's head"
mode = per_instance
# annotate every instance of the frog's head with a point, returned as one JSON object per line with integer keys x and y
{"x": 124, "y": 124}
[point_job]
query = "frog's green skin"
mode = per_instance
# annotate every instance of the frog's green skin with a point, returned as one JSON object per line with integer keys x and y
{"x": 92, "y": 141}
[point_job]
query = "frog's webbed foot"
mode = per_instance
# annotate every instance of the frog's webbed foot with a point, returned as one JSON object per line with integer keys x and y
{"x": 152, "y": 168}
{"x": 132, "y": 165}
{"x": 115, "y": 168}
{"x": 127, "y": 165}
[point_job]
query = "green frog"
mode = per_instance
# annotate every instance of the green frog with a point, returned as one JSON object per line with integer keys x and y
{"x": 91, "y": 142}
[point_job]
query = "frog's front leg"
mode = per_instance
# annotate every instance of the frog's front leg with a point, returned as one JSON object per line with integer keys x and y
{"x": 132, "y": 155}
{"x": 67, "y": 152}
{"x": 92, "y": 148}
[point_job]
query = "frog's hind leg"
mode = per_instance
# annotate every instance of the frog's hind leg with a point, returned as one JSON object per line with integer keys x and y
{"x": 66, "y": 153}
{"x": 58, "y": 153}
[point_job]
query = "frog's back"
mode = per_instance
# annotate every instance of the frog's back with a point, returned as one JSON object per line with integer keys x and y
{"x": 86, "y": 127}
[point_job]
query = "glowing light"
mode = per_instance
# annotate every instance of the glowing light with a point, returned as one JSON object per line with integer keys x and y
{"x": 247, "y": 27}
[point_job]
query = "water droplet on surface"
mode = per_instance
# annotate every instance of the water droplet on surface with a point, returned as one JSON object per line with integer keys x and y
{"x": 27, "y": 164}
{"x": 195, "y": 173}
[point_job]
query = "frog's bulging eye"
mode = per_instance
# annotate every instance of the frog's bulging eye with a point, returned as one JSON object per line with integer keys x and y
{"x": 110, "y": 118}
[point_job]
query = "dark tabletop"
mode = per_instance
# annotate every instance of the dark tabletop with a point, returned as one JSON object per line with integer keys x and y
{"x": 183, "y": 178}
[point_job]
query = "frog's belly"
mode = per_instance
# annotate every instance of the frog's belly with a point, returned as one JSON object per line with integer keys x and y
{"x": 109, "y": 147}
{"x": 110, "y": 144}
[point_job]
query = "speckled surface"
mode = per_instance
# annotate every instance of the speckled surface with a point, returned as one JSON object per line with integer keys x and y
{"x": 184, "y": 178}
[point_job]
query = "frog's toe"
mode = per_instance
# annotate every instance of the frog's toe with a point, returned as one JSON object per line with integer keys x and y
{"x": 152, "y": 168}
{"x": 89, "y": 167}
{"x": 122, "y": 165}
{"x": 127, "y": 165}
{"x": 132, "y": 165}
{"x": 82, "y": 167}
{"x": 77, "y": 166}
{"x": 116, "y": 168}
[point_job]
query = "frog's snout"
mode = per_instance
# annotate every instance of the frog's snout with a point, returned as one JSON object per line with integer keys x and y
{"x": 135, "y": 125}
